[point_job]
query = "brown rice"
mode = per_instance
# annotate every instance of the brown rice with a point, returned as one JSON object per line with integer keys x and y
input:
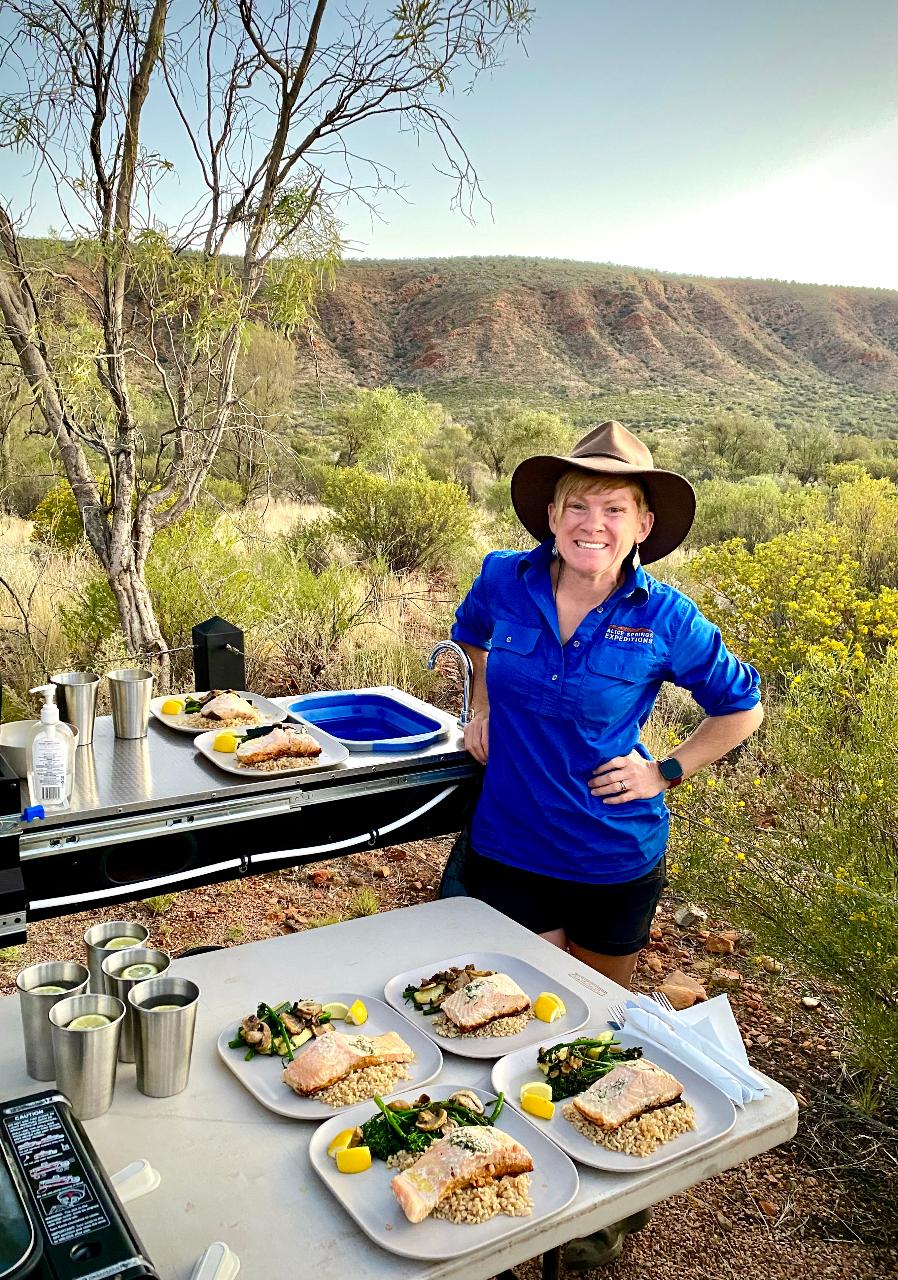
{"x": 637, "y": 1137}
{"x": 196, "y": 720}
{"x": 501, "y": 1027}
{"x": 283, "y": 764}
{"x": 470, "y": 1205}
{"x": 361, "y": 1085}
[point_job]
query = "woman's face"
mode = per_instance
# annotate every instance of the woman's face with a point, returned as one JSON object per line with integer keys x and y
{"x": 596, "y": 530}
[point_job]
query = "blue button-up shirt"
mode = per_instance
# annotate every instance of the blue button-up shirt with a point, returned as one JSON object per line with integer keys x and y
{"x": 557, "y": 711}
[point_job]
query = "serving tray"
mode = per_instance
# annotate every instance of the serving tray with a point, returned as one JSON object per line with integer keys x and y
{"x": 528, "y": 978}
{"x": 369, "y": 1200}
{"x": 261, "y": 1076}
{"x": 715, "y": 1115}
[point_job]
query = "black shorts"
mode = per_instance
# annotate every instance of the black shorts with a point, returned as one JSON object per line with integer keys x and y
{"x": 612, "y": 919}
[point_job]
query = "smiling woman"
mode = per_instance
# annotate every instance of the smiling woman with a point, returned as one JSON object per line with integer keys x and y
{"x": 570, "y": 644}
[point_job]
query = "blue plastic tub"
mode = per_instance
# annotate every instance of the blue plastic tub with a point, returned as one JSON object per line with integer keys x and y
{"x": 369, "y": 721}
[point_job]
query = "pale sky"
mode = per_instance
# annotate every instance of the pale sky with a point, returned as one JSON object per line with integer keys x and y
{"x": 704, "y": 136}
{"x": 713, "y": 137}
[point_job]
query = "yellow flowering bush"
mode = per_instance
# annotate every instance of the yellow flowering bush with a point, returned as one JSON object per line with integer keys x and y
{"x": 795, "y": 600}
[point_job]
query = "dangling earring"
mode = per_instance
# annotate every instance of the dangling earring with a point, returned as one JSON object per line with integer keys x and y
{"x": 635, "y": 561}
{"x": 554, "y": 549}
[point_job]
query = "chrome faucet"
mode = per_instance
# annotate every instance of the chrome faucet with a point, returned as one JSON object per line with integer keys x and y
{"x": 467, "y": 672}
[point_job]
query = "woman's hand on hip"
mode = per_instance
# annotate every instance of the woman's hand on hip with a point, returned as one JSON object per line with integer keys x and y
{"x": 477, "y": 736}
{"x": 626, "y": 778}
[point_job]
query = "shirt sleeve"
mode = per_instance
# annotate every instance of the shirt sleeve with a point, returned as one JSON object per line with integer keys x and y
{"x": 474, "y": 616}
{"x": 701, "y": 663}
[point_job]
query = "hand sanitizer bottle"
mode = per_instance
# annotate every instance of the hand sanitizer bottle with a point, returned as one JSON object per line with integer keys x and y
{"x": 51, "y": 768}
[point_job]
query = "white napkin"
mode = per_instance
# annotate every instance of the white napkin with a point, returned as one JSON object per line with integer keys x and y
{"x": 704, "y": 1054}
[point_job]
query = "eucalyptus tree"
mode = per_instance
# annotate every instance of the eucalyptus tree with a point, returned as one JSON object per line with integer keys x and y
{"x": 197, "y": 157}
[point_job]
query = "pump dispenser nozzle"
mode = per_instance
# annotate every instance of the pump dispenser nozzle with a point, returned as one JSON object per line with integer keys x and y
{"x": 49, "y": 711}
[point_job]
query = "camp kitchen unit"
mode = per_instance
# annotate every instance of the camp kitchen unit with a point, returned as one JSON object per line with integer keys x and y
{"x": 152, "y": 815}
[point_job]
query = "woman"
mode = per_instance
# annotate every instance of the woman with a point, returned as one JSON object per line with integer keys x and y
{"x": 570, "y": 643}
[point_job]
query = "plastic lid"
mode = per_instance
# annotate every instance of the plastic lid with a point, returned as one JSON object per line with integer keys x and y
{"x": 49, "y": 711}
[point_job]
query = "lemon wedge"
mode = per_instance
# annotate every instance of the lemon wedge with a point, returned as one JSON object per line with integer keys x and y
{"x": 89, "y": 1022}
{"x": 538, "y": 1089}
{"x": 354, "y": 1160}
{"x": 171, "y": 707}
{"x": 357, "y": 1013}
{"x": 537, "y": 1106}
{"x": 225, "y": 742}
{"x": 337, "y": 1010}
{"x": 548, "y": 1007}
{"x": 341, "y": 1142}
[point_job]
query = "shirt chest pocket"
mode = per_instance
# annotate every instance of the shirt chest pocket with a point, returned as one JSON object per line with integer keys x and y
{"x": 515, "y": 667}
{"x": 619, "y": 683}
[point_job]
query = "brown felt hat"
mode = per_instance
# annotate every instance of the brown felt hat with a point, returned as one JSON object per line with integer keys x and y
{"x": 608, "y": 450}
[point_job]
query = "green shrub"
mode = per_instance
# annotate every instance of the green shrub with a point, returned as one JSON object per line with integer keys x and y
{"x": 754, "y": 510}
{"x": 315, "y": 542}
{"x": 57, "y": 520}
{"x": 797, "y": 845}
{"x": 410, "y": 523}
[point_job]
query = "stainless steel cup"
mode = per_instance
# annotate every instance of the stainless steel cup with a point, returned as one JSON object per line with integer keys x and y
{"x": 76, "y": 697}
{"x": 118, "y": 986}
{"x": 36, "y": 1005}
{"x": 86, "y": 1060}
{"x": 163, "y": 1036}
{"x": 95, "y": 940}
{"x": 130, "y": 691}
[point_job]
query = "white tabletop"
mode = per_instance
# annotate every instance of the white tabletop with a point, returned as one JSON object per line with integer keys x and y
{"x": 233, "y": 1171}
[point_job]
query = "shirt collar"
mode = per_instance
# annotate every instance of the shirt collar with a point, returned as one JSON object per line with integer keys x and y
{"x": 636, "y": 583}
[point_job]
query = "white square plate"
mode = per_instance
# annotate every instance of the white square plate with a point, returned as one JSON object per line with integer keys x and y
{"x": 270, "y": 712}
{"x": 528, "y": 978}
{"x": 368, "y": 1197}
{"x": 333, "y": 754}
{"x": 262, "y": 1074}
{"x": 715, "y": 1115}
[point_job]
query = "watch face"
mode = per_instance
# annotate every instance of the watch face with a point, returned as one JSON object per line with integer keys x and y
{"x": 670, "y": 769}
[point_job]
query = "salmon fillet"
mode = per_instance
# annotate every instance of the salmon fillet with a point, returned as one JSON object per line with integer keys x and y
{"x": 331, "y": 1057}
{"x": 466, "y": 1157}
{"x": 230, "y": 706}
{"x": 484, "y": 1000}
{"x": 281, "y": 741}
{"x": 626, "y": 1092}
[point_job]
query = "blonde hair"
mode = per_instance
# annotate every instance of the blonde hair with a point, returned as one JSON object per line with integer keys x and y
{"x": 574, "y": 483}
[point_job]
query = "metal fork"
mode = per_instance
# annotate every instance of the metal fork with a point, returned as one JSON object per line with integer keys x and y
{"x": 617, "y": 1016}
{"x": 660, "y": 998}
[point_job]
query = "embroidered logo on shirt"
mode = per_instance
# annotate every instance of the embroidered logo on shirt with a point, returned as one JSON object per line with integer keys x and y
{"x": 630, "y": 635}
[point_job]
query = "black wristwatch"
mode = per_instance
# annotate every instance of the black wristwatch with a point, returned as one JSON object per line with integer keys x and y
{"x": 671, "y": 771}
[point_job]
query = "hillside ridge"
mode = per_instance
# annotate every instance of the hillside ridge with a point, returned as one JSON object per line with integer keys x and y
{"x": 573, "y": 327}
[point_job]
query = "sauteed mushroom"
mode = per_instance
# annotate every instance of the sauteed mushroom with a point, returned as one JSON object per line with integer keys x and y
{"x": 256, "y": 1033}
{"x": 307, "y": 1009}
{"x": 400, "y": 1104}
{"x": 429, "y": 1121}
{"x": 464, "y": 1098}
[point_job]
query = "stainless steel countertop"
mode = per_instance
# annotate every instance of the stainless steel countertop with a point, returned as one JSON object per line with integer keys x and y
{"x": 117, "y": 777}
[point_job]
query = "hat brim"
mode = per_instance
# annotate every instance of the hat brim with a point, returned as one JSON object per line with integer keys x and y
{"x": 671, "y": 497}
